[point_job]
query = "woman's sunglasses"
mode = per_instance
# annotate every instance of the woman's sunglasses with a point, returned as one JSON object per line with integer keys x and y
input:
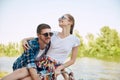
{"x": 63, "y": 17}
{"x": 48, "y": 34}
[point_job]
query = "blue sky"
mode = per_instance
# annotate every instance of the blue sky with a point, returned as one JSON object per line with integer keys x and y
{"x": 19, "y": 18}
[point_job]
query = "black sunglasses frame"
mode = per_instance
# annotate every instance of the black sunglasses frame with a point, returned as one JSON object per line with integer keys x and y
{"x": 63, "y": 17}
{"x": 47, "y": 34}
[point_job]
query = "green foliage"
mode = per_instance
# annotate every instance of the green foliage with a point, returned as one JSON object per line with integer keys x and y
{"x": 109, "y": 42}
{"x": 10, "y": 49}
{"x": 105, "y": 46}
{"x": 2, "y": 74}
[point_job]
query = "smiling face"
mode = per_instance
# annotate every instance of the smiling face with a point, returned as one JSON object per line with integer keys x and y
{"x": 64, "y": 21}
{"x": 45, "y": 35}
{"x": 67, "y": 20}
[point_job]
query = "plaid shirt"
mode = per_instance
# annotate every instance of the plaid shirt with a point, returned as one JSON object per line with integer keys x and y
{"x": 27, "y": 59}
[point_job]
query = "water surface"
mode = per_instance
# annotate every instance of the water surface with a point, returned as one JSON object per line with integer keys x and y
{"x": 93, "y": 69}
{"x": 84, "y": 69}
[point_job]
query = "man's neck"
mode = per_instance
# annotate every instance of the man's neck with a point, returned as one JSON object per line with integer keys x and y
{"x": 42, "y": 45}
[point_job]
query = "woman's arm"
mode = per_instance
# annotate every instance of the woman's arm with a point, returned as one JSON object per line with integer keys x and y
{"x": 70, "y": 62}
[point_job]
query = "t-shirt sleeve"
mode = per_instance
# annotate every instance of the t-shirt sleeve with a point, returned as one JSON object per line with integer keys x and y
{"x": 77, "y": 41}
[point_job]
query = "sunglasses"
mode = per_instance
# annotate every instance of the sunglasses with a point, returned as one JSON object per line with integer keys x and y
{"x": 63, "y": 17}
{"x": 48, "y": 34}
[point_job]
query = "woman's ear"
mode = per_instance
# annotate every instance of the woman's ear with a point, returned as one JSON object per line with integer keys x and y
{"x": 70, "y": 22}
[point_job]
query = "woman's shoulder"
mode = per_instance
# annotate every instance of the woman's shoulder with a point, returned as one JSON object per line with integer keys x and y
{"x": 75, "y": 39}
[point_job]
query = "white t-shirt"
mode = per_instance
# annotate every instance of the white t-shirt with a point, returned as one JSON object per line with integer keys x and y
{"x": 40, "y": 53}
{"x": 61, "y": 48}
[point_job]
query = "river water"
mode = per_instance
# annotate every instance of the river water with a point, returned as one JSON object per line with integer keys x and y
{"x": 84, "y": 69}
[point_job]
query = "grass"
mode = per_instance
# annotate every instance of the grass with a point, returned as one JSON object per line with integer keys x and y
{"x": 2, "y": 74}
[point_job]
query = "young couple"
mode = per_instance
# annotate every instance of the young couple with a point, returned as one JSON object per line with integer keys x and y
{"x": 28, "y": 65}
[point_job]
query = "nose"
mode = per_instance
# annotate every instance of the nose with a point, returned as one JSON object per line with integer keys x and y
{"x": 49, "y": 36}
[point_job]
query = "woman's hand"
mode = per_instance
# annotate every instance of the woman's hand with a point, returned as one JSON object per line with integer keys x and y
{"x": 57, "y": 72}
{"x": 25, "y": 44}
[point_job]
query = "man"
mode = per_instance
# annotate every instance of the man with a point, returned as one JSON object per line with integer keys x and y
{"x": 24, "y": 67}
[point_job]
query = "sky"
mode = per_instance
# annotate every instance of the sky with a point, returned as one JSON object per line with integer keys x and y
{"x": 20, "y": 18}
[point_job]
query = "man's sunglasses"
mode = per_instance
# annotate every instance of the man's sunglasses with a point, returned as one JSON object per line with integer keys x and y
{"x": 48, "y": 34}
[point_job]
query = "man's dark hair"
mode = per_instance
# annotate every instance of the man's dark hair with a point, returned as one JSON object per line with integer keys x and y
{"x": 42, "y": 26}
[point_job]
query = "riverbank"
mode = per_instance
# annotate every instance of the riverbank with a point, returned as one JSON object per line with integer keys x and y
{"x": 84, "y": 69}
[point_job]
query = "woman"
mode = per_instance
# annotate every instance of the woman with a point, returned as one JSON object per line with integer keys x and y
{"x": 63, "y": 43}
